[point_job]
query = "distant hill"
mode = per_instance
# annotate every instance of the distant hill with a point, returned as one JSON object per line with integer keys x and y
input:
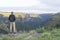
{"x": 17, "y": 14}
{"x": 45, "y": 17}
{"x": 53, "y": 22}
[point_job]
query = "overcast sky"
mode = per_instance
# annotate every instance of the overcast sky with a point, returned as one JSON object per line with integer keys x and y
{"x": 35, "y": 6}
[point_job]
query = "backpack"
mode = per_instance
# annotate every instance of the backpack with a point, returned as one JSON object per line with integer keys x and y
{"x": 11, "y": 18}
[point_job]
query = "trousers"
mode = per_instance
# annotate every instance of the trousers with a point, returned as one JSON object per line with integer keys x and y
{"x": 12, "y": 27}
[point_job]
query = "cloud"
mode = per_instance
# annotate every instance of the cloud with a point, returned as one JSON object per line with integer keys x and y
{"x": 53, "y": 5}
{"x": 22, "y": 5}
{"x": 36, "y": 6}
{"x": 52, "y": 2}
{"x": 18, "y": 3}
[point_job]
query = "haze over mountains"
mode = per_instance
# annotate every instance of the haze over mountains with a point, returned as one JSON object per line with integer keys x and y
{"x": 17, "y": 14}
{"x": 22, "y": 14}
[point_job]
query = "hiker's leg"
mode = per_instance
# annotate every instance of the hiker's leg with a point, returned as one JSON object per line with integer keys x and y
{"x": 10, "y": 26}
{"x": 14, "y": 28}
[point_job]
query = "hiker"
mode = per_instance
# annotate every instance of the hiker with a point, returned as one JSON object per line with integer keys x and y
{"x": 12, "y": 19}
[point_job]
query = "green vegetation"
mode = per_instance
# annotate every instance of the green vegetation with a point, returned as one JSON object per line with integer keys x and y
{"x": 52, "y": 35}
{"x": 41, "y": 30}
{"x": 49, "y": 35}
{"x": 3, "y": 27}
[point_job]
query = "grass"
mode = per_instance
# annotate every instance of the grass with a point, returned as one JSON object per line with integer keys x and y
{"x": 52, "y": 35}
{"x": 49, "y": 35}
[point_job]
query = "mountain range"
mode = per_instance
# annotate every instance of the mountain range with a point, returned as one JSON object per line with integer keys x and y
{"x": 17, "y": 14}
{"x": 31, "y": 21}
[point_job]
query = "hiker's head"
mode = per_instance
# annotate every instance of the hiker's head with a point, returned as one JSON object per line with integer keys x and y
{"x": 12, "y": 13}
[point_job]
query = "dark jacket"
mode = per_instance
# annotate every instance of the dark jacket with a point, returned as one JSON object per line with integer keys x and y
{"x": 12, "y": 18}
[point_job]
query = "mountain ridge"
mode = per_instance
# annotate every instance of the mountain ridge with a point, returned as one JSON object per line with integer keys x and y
{"x": 17, "y": 14}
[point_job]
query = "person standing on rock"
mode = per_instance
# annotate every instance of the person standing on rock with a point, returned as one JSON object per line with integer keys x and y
{"x": 12, "y": 19}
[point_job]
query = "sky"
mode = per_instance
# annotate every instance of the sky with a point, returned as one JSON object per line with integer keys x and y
{"x": 30, "y": 6}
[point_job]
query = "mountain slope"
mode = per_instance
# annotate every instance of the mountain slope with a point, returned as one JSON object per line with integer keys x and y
{"x": 54, "y": 22}
{"x": 30, "y": 23}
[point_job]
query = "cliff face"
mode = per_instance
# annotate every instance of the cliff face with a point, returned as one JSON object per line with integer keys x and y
{"x": 19, "y": 14}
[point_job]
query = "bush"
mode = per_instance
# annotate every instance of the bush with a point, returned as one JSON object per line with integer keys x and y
{"x": 41, "y": 30}
{"x": 52, "y": 35}
{"x": 32, "y": 32}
